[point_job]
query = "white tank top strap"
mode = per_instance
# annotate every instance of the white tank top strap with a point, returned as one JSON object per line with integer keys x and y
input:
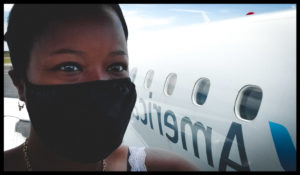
{"x": 137, "y": 158}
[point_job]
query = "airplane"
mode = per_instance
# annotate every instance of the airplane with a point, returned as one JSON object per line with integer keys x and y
{"x": 220, "y": 94}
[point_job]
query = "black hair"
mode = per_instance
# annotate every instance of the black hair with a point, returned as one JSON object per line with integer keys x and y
{"x": 27, "y": 21}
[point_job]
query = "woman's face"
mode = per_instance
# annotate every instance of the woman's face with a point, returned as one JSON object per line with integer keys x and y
{"x": 79, "y": 51}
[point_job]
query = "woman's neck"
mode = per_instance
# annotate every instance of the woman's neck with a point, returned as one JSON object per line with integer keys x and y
{"x": 43, "y": 159}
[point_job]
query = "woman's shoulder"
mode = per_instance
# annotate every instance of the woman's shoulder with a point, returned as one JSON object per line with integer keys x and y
{"x": 14, "y": 160}
{"x": 163, "y": 160}
{"x": 117, "y": 160}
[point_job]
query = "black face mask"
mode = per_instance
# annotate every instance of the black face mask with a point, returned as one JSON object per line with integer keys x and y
{"x": 83, "y": 122}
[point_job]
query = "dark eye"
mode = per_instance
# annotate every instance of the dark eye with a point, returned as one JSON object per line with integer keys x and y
{"x": 69, "y": 67}
{"x": 117, "y": 67}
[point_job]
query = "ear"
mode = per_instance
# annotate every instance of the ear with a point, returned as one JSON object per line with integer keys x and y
{"x": 19, "y": 84}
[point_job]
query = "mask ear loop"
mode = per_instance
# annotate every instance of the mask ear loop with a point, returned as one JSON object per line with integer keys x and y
{"x": 26, "y": 81}
{"x": 20, "y": 106}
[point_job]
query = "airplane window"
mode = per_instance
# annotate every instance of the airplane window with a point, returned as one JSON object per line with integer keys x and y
{"x": 248, "y": 102}
{"x": 133, "y": 74}
{"x": 201, "y": 90}
{"x": 148, "y": 79}
{"x": 170, "y": 84}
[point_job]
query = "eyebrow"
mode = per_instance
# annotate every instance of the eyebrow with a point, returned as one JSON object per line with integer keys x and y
{"x": 80, "y": 53}
{"x": 67, "y": 51}
{"x": 118, "y": 53}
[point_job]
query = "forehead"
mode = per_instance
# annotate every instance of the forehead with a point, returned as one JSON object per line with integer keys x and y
{"x": 104, "y": 26}
{"x": 106, "y": 17}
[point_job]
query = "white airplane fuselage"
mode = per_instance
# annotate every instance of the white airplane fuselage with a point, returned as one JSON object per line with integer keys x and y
{"x": 255, "y": 50}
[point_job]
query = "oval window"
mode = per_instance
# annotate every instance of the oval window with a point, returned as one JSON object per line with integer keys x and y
{"x": 148, "y": 79}
{"x": 170, "y": 84}
{"x": 200, "y": 91}
{"x": 248, "y": 102}
{"x": 133, "y": 74}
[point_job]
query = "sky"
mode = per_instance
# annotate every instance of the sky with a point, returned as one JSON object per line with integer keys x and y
{"x": 149, "y": 17}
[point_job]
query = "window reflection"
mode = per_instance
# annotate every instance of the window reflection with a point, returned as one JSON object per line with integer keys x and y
{"x": 248, "y": 102}
{"x": 133, "y": 74}
{"x": 170, "y": 84}
{"x": 149, "y": 78}
{"x": 201, "y": 90}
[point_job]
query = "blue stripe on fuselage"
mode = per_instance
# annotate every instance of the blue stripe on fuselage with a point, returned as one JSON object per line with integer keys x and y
{"x": 285, "y": 148}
